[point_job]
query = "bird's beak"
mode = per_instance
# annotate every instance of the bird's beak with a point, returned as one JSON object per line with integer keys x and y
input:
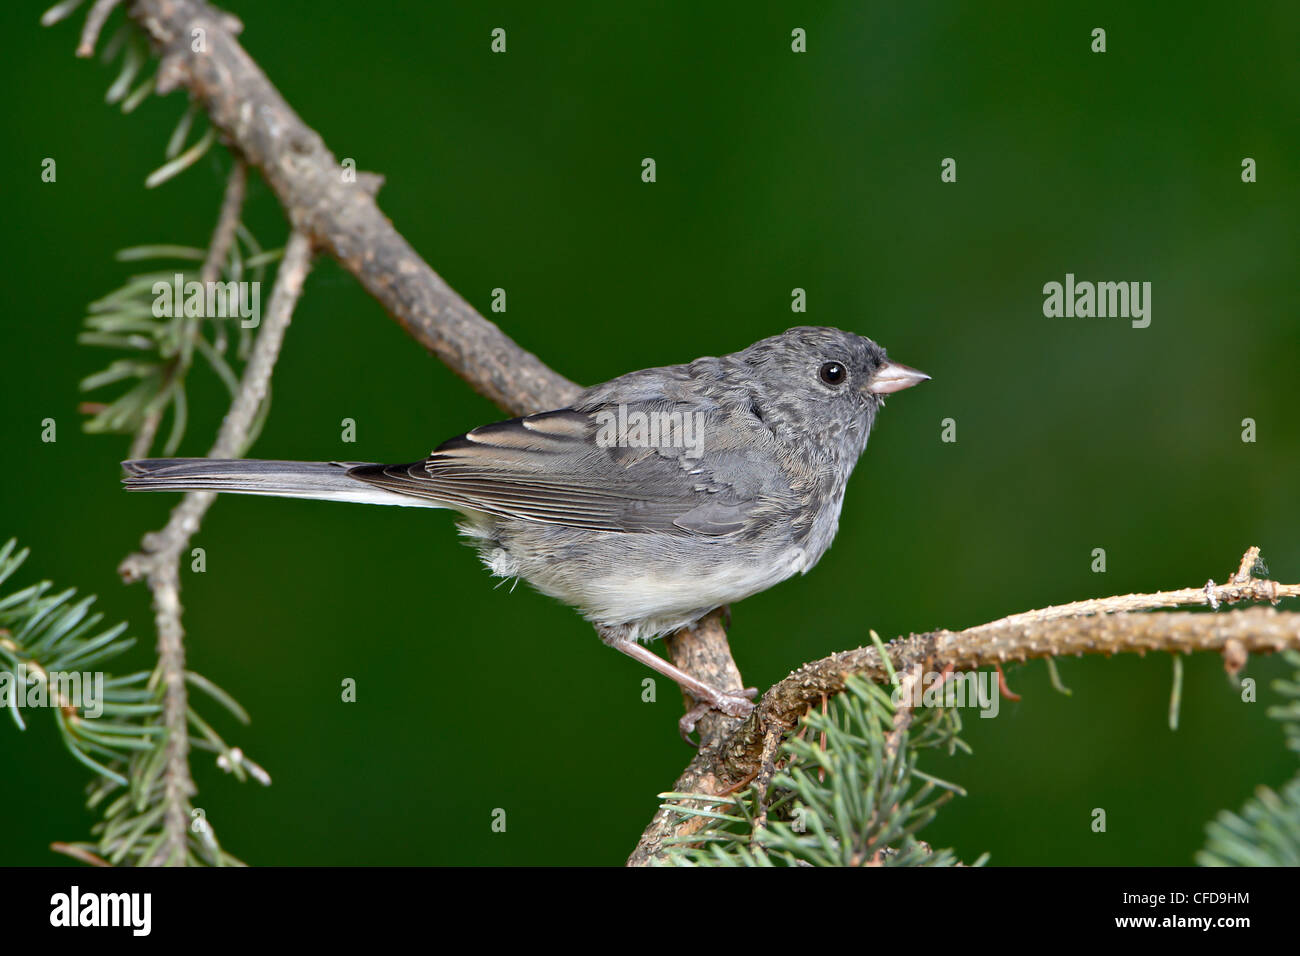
{"x": 892, "y": 377}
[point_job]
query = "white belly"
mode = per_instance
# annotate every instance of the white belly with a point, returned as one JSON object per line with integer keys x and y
{"x": 664, "y": 600}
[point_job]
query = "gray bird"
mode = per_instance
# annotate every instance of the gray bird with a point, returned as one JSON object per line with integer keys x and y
{"x": 654, "y": 499}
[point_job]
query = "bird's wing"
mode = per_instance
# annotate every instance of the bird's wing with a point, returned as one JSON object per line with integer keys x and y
{"x": 559, "y": 468}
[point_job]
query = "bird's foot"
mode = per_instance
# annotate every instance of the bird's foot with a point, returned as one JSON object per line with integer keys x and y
{"x": 731, "y": 704}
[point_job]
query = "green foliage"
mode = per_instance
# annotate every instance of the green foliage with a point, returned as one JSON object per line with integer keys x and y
{"x": 855, "y": 798}
{"x": 42, "y": 634}
{"x": 1267, "y": 830}
{"x": 44, "y": 637}
{"x": 137, "y": 77}
{"x": 163, "y": 347}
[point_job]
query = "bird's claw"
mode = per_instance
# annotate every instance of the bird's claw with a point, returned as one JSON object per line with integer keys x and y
{"x": 732, "y": 704}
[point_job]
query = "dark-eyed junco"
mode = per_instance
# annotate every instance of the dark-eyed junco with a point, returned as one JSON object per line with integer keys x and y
{"x": 654, "y": 499}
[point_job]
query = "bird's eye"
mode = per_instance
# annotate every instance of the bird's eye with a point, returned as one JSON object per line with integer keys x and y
{"x": 832, "y": 373}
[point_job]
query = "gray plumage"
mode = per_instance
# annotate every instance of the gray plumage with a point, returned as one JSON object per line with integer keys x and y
{"x": 643, "y": 537}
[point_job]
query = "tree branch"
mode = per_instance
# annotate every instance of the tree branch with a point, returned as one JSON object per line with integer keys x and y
{"x": 1103, "y": 626}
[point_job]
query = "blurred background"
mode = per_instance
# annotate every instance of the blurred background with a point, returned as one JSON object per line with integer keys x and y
{"x": 775, "y": 170}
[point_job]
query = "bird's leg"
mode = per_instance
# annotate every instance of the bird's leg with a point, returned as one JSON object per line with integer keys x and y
{"x": 733, "y": 705}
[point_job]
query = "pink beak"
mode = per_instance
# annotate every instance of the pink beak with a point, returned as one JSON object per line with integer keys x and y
{"x": 892, "y": 377}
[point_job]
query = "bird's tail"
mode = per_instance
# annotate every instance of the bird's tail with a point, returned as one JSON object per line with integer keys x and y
{"x": 324, "y": 480}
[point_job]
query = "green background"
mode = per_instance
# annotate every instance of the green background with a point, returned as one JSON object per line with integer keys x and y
{"x": 775, "y": 171}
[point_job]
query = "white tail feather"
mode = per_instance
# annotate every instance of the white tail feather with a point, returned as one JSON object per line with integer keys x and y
{"x": 319, "y": 480}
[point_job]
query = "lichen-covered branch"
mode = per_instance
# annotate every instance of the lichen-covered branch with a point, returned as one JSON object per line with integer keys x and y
{"x": 1113, "y": 625}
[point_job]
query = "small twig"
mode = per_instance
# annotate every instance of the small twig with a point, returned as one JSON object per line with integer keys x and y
{"x": 1240, "y": 587}
{"x": 904, "y": 713}
{"x": 821, "y": 742}
{"x": 223, "y": 237}
{"x": 159, "y": 561}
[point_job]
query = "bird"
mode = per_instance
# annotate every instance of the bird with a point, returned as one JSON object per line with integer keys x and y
{"x": 649, "y": 501}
